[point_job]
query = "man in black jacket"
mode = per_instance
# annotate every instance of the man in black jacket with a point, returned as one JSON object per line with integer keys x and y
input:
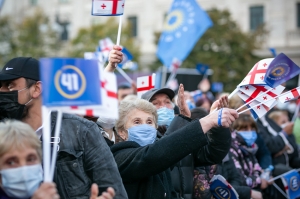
{"x": 83, "y": 157}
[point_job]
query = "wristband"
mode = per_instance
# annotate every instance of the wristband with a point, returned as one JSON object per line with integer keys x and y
{"x": 220, "y": 117}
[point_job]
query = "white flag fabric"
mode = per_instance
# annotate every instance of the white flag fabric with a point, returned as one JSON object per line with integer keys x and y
{"x": 106, "y": 46}
{"x": 144, "y": 84}
{"x": 258, "y": 92}
{"x": 108, "y": 7}
{"x": 257, "y": 73}
{"x": 290, "y": 95}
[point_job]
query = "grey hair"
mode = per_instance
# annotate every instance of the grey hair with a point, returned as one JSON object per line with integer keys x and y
{"x": 126, "y": 106}
{"x": 16, "y": 134}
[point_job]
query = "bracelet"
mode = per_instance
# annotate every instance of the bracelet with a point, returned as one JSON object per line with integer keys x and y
{"x": 220, "y": 117}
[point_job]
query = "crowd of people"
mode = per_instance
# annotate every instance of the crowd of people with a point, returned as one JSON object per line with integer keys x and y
{"x": 162, "y": 146}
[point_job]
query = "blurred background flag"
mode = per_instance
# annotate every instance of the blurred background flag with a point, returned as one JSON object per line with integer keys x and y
{"x": 144, "y": 84}
{"x": 1, "y": 4}
{"x": 185, "y": 24}
{"x": 108, "y": 7}
{"x": 202, "y": 68}
{"x": 273, "y": 51}
{"x": 105, "y": 45}
{"x": 127, "y": 56}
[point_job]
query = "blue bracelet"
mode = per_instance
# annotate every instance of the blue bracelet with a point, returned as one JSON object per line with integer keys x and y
{"x": 220, "y": 117}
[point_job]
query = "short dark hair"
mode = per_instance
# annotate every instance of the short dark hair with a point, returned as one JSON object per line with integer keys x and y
{"x": 124, "y": 86}
{"x": 30, "y": 82}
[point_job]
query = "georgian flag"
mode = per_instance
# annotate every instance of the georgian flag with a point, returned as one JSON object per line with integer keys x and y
{"x": 290, "y": 95}
{"x": 108, "y": 7}
{"x": 257, "y": 73}
{"x": 258, "y": 92}
{"x": 176, "y": 63}
{"x": 106, "y": 46}
{"x": 257, "y": 110}
{"x": 145, "y": 84}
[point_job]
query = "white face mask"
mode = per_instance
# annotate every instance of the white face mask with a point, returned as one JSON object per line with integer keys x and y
{"x": 106, "y": 123}
{"x": 21, "y": 182}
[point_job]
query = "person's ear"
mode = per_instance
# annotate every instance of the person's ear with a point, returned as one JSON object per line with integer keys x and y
{"x": 37, "y": 90}
{"x": 123, "y": 134}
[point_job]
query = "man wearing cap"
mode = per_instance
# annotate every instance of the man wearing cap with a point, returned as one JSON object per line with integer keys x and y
{"x": 83, "y": 157}
{"x": 218, "y": 139}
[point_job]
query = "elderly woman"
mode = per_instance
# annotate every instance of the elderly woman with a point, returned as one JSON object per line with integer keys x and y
{"x": 144, "y": 164}
{"x": 20, "y": 165}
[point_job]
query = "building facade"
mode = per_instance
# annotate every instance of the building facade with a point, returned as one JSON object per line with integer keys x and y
{"x": 281, "y": 17}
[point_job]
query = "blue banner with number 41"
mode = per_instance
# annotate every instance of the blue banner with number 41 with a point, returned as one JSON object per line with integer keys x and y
{"x": 70, "y": 82}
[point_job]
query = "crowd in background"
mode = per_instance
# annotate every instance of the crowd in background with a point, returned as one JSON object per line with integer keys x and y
{"x": 162, "y": 146}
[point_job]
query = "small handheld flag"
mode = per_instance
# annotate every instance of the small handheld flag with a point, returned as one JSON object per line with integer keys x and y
{"x": 145, "y": 84}
{"x": 108, "y": 7}
{"x": 280, "y": 70}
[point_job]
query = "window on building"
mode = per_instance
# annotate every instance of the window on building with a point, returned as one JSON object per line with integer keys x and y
{"x": 33, "y": 2}
{"x": 298, "y": 15}
{"x": 133, "y": 25}
{"x": 256, "y": 17}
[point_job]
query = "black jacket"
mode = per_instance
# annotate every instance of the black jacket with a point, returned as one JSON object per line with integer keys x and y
{"x": 218, "y": 139}
{"x": 145, "y": 170}
{"x": 84, "y": 158}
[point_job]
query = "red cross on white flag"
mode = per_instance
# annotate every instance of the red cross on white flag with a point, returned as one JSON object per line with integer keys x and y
{"x": 255, "y": 91}
{"x": 145, "y": 84}
{"x": 108, "y": 7}
{"x": 106, "y": 46}
{"x": 290, "y": 95}
{"x": 176, "y": 63}
{"x": 257, "y": 73}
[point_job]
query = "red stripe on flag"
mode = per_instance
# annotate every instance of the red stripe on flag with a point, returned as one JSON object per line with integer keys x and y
{"x": 111, "y": 94}
{"x": 286, "y": 188}
{"x": 254, "y": 72}
{"x": 295, "y": 92}
{"x": 148, "y": 87}
{"x": 74, "y": 107}
{"x": 89, "y": 112}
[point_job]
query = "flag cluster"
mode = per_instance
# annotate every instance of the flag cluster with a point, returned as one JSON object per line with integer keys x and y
{"x": 261, "y": 88}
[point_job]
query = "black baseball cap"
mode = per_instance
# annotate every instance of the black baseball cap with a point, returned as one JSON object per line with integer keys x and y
{"x": 26, "y": 67}
{"x": 149, "y": 94}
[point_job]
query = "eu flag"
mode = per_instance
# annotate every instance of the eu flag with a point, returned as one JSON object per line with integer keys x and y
{"x": 185, "y": 24}
{"x": 280, "y": 70}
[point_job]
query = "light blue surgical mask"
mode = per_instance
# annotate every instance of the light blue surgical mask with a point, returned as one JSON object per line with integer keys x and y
{"x": 143, "y": 134}
{"x": 21, "y": 182}
{"x": 165, "y": 116}
{"x": 248, "y": 136}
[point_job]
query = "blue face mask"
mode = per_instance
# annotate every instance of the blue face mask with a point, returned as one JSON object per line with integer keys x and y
{"x": 143, "y": 134}
{"x": 22, "y": 182}
{"x": 248, "y": 136}
{"x": 165, "y": 116}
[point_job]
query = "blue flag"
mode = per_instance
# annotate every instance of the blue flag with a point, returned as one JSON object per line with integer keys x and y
{"x": 202, "y": 68}
{"x": 127, "y": 56}
{"x": 186, "y": 23}
{"x": 280, "y": 70}
{"x": 1, "y": 4}
{"x": 291, "y": 180}
{"x": 70, "y": 82}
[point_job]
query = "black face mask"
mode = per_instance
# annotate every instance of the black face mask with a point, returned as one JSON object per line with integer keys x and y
{"x": 10, "y": 107}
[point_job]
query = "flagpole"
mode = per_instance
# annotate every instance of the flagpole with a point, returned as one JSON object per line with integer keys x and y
{"x": 56, "y": 136}
{"x": 121, "y": 71}
{"x": 255, "y": 98}
{"x": 229, "y": 97}
{"x": 171, "y": 77}
{"x": 164, "y": 72}
{"x": 263, "y": 102}
{"x": 46, "y": 143}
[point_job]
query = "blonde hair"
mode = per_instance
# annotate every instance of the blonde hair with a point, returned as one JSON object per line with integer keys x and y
{"x": 275, "y": 115}
{"x": 235, "y": 102}
{"x": 18, "y": 135}
{"x": 126, "y": 106}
